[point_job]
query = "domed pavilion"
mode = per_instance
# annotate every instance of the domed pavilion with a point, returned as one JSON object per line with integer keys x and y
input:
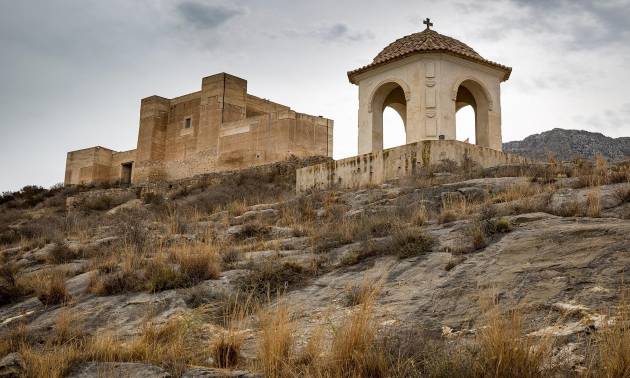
{"x": 427, "y": 77}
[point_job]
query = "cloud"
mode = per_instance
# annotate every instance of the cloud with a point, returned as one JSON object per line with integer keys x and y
{"x": 205, "y": 16}
{"x": 577, "y": 24}
{"x": 333, "y": 33}
{"x": 338, "y": 32}
{"x": 610, "y": 120}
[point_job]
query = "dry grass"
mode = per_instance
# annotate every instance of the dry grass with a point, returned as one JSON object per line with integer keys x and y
{"x": 11, "y": 287}
{"x": 182, "y": 265}
{"x": 517, "y": 192}
{"x": 226, "y": 347}
{"x": 504, "y": 351}
{"x": 404, "y": 243}
{"x": 170, "y": 345}
{"x": 453, "y": 208}
{"x": 62, "y": 254}
{"x": 275, "y": 342}
{"x": 612, "y": 342}
{"x": 593, "y": 207}
{"x": 197, "y": 262}
{"x": 420, "y": 216}
{"x": 50, "y": 288}
{"x": 273, "y": 277}
{"x": 477, "y": 235}
{"x": 365, "y": 291}
{"x": 352, "y": 353}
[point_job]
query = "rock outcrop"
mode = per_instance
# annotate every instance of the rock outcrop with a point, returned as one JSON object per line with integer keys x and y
{"x": 570, "y": 144}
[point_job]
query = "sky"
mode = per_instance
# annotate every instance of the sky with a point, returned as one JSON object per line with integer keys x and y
{"x": 72, "y": 73}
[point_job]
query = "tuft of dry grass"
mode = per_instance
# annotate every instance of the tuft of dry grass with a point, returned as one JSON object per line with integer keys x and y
{"x": 517, "y": 192}
{"x": 420, "y": 216}
{"x": 11, "y": 287}
{"x": 275, "y": 344}
{"x": 504, "y": 351}
{"x": 477, "y": 235}
{"x": 272, "y": 276}
{"x": 361, "y": 293}
{"x": 51, "y": 288}
{"x": 61, "y": 253}
{"x": 226, "y": 347}
{"x": 593, "y": 207}
{"x": 197, "y": 262}
{"x": 352, "y": 352}
{"x": 613, "y": 344}
{"x": 453, "y": 208}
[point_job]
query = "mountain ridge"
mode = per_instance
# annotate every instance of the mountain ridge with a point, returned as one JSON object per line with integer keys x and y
{"x": 568, "y": 144}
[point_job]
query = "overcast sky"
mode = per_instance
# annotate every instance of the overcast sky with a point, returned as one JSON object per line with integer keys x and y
{"x": 72, "y": 73}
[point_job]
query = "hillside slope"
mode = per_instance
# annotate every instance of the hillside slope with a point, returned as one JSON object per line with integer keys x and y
{"x": 570, "y": 144}
{"x": 417, "y": 278}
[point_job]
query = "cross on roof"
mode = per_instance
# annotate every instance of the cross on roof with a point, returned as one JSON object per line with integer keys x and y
{"x": 428, "y": 23}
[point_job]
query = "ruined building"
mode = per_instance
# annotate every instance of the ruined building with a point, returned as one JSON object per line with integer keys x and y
{"x": 220, "y": 127}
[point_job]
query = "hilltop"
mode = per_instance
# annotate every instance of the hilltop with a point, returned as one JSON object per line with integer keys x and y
{"x": 442, "y": 274}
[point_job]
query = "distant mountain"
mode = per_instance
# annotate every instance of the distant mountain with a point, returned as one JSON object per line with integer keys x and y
{"x": 570, "y": 144}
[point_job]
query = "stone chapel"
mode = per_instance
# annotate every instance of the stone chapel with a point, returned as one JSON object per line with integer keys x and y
{"x": 426, "y": 77}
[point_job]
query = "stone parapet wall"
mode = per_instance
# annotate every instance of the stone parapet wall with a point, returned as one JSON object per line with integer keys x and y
{"x": 398, "y": 162}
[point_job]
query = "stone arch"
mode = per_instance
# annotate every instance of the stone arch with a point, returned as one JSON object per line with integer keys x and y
{"x": 401, "y": 83}
{"x": 471, "y": 92}
{"x": 387, "y": 94}
{"x": 460, "y": 80}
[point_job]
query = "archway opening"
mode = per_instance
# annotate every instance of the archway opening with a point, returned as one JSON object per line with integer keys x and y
{"x": 389, "y": 117}
{"x": 465, "y": 121}
{"x": 393, "y": 128}
{"x": 471, "y": 114}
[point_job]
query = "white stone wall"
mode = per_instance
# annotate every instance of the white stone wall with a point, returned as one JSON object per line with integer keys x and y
{"x": 430, "y": 83}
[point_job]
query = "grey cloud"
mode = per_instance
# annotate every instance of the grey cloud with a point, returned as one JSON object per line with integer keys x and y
{"x": 205, "y": 16}
{"x": 580, "y": 24}
{"x": 617, "y": 119}
{"x": 333, "y": 33}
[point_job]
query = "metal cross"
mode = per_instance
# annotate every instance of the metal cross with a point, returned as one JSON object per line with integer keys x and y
{"x": 428, "y": 23}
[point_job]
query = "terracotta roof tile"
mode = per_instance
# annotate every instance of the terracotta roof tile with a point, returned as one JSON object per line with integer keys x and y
{"x": 427, "y": 41}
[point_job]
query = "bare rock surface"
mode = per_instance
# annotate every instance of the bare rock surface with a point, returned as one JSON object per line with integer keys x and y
{"x": 219, "y": 373}
{"x": 118, "y": 369}
{"x": 545, "y": 260}
{"x": 609, "y": 196}
{"x": 12, "y": 366}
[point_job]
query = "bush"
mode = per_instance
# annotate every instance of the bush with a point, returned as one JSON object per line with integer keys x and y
{"x": 10, "y": 289}
{"x": 116, "y": 282}
{"x": 271, "y": 277}
{"x": 53, "y": 290}
{"x": 61, "y": 254}
{"x": 409, "y": 243}
{"x": 226, "y": 349}
{"x": 161, "y": 275}
{"x": 197, "y": 263}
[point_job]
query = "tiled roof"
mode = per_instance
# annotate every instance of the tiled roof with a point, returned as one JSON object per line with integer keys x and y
{"x": 427, "y": 41}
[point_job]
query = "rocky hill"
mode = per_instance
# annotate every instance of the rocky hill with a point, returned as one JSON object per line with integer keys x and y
{"x": 570, "y": 144}
{"x": 497, "y": 273}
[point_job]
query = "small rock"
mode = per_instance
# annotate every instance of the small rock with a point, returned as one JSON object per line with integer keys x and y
{"x": 474, "y": 194}
{"x": 264, "y": 206}
{"x": 132, "y": 204}
{"x": 219, "y": 373}
{"x": 281, "y": 232}
{"x": 118, "y": 369}
{"x": 452, "y": 197}
{"x": 265, "y": 214}
{"x": 302, "y": 242}
{"x": 12, "y": 366}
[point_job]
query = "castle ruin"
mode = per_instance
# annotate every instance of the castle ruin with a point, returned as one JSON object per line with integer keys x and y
{"x": 221, "y": 127}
